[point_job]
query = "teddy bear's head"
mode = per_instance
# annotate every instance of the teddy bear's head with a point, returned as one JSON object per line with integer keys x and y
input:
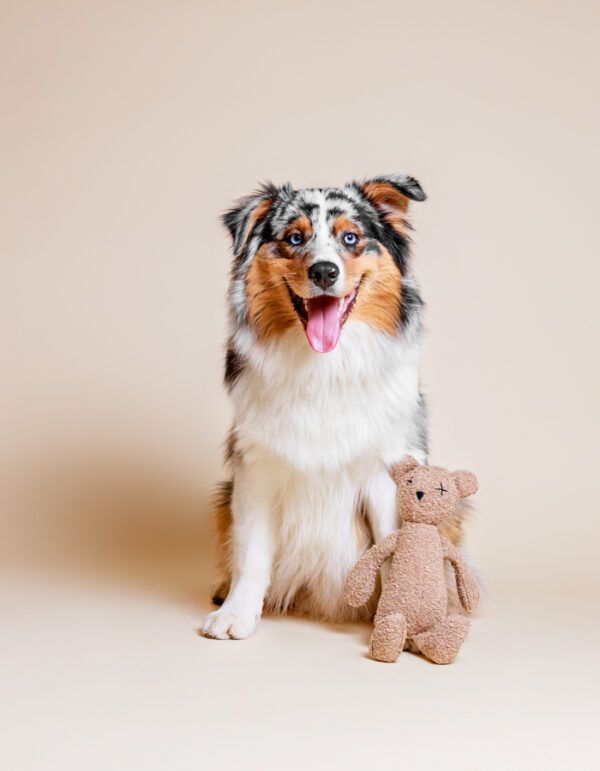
{"x": 430, "y": 494}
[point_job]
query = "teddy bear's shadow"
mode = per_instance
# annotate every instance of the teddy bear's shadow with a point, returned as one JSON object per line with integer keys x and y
{"x": 361, "y": 630}
{"x": 407, "y": 652}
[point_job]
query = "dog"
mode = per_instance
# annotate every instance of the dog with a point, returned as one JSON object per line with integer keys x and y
{"x": 322, "y": 366}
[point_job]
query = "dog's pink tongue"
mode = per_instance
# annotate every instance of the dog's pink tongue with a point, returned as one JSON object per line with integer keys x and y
{"x": 323, "y": 326}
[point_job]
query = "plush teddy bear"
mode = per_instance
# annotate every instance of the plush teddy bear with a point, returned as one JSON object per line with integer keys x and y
{"x": 414, "y": 600}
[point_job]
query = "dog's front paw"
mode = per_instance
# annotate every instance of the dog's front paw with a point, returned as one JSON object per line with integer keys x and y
{"x": 229, "y": 624}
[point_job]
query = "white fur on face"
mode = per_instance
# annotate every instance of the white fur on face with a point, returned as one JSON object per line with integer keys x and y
{"x": 323, "y": 246}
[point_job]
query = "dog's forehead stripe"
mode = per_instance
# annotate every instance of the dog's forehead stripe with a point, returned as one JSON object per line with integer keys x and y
{"x": 321, "y": 206}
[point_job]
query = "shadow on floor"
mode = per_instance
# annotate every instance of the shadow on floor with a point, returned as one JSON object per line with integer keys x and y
{"x": 119, "y": 521}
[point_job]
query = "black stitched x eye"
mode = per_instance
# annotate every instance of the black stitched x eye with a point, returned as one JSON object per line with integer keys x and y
{"x": 409, "y": 481}
{"x": 442, "y": 489}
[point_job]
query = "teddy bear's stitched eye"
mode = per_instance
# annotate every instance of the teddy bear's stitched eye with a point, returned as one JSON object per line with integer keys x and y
{"x": 409, "y": 481}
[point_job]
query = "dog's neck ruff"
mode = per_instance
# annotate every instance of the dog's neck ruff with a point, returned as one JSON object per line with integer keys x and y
{"x": 322, "y": 412}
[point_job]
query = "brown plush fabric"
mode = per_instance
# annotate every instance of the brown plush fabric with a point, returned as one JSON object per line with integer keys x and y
{"x": 442, "y": 642}
{"x": 414, "y": 601}
{"x": 388, "y": 638}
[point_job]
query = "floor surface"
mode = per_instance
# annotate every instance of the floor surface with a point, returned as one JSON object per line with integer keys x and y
{"x": 98, "y": 678}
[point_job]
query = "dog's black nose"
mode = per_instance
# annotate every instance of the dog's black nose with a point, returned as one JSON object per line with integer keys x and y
{"x": 323, "y": 274}
{"x": 420, "y": 494}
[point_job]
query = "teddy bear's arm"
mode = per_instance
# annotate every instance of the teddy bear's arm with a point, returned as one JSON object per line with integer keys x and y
{"x": 466, "y": 583}
{"x": 361, "y": 580}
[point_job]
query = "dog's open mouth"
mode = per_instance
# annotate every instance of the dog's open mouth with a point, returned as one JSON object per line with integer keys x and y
{"x": 323, "y": 317}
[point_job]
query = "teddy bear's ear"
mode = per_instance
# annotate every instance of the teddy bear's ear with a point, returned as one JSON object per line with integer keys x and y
{"x": 400, "y": 469}
{"x": 466, "y": 483}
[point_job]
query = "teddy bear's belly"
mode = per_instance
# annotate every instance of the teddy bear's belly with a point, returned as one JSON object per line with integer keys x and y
{"x": 416, "y": 585}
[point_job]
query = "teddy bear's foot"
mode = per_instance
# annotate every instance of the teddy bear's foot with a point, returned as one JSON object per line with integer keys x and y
{"x": 442, "y": 642}
{"x": 388, "y": 638}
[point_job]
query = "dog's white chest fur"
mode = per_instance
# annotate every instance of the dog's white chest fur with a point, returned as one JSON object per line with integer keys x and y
{"x": 316, "y": 432}
{"x": 325, "y": 411}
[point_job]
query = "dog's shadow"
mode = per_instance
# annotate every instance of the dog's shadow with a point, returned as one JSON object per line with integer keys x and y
{"x": 125, "y": 523}
{"x": 118, "y": 521}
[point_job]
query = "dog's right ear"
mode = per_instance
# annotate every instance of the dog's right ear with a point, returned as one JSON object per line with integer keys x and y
{"x": 244, "y": 216}
{"x": 408, "y": 463}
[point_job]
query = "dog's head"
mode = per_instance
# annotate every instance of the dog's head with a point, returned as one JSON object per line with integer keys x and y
{"x": 317, "y": 257}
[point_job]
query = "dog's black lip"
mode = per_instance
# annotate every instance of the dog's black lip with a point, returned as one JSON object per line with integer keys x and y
{"x": 298, "y": 303}
{"x": 299, "y": 307}
{"x": 348, "y": 310}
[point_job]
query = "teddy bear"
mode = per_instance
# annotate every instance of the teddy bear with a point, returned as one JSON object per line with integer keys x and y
{"x": 413, "y": 606}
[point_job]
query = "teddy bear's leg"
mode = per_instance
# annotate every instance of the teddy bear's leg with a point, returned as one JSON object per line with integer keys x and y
{"x": 388, "y": 638}
{"x": 442, "y": 642}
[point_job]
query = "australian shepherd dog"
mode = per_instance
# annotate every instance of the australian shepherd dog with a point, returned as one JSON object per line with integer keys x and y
{"x": 322, "y": 367}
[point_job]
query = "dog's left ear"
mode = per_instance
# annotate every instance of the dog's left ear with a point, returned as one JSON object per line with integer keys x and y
{"x": 246, "y": 214}
{"x": 390, "y": 195}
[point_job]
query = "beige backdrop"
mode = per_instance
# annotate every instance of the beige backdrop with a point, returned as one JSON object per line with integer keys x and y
{"x": 129, "y": 127}
{"x": 126, "y": 129}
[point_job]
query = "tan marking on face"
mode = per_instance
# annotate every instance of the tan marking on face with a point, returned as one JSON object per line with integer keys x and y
{"x": 342, "y": 224}
{"x": 284, "y": 250}
{"x": 269, "y": 306}
{"x": 379, "y": 296}
{"x": 300, "y": 225}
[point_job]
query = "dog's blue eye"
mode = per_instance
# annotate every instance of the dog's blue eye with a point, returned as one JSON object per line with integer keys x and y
{"x": 295, "y": 239}
{"x": 350, "y": 239}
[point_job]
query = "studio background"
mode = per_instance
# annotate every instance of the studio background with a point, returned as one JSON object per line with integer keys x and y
{"x": 126, "y": 130}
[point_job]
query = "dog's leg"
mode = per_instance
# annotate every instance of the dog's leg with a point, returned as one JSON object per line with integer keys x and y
{"x": 253, "y": 541}
{"x": 382, "y": 509}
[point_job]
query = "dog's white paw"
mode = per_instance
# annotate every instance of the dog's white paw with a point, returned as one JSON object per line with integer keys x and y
{"x": 229, "y": 624}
